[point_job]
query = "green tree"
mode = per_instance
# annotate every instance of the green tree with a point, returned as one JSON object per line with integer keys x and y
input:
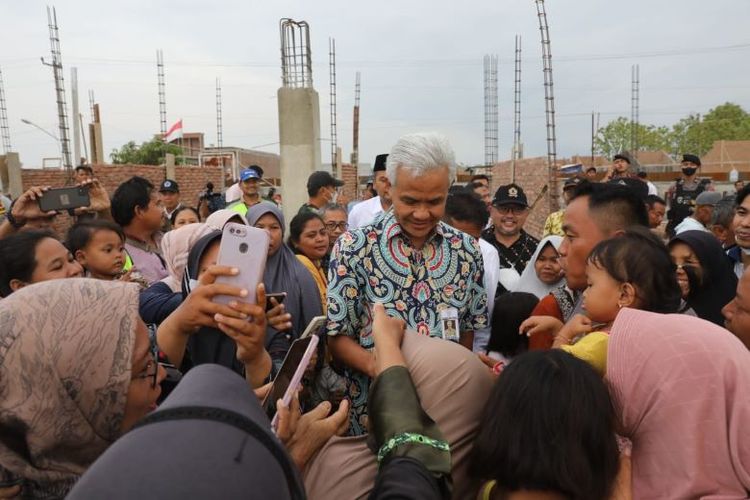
{"x": 615, "y": 137}
{"x": 152, "y": 152}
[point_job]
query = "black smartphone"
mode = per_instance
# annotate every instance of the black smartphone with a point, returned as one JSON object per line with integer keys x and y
{"x": 65, "y": 198}
{"x": 279, "y": 299}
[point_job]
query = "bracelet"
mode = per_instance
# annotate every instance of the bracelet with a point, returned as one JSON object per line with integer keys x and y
{"x": 12, "y": 220}
{"x": 410, "y": 437}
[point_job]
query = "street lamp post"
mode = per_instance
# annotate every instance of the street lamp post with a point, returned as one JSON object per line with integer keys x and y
{"x": 57, "y": 139}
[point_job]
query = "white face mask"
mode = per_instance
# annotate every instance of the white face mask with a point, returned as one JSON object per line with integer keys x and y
{"x": 334, "y": 196}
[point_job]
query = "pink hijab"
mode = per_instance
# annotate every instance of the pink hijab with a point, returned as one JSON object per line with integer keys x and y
{"x": 453, "y": 386}
{"x": 175, "y": 247}
{"x": 681, "y": 386}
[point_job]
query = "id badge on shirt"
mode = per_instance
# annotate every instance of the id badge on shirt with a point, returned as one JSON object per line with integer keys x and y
{"x": 449, "y": 324}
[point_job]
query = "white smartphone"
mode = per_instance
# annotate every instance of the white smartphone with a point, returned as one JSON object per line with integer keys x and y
{"x": 245, "y": 248}
{"x": 315, "y": 326}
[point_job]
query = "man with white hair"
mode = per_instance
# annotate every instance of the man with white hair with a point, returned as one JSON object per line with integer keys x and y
{"x": 424, "y": 271}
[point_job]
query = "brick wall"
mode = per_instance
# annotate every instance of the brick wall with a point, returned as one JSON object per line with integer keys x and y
{"x": 191, "y": 179}
{"x": 348, "y": 174}
{"x": 531, "y": 175}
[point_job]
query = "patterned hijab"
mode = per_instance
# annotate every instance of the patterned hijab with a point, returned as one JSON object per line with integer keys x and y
{"x": 175, "y": 246}
{"x": 65, "y": 366}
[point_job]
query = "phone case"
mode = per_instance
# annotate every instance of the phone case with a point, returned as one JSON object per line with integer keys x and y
{"x": 64, "y": 199}
{"x": 314, "y": 326}
{"x": 245, "y": 248}
{"x": 297, "y": 377}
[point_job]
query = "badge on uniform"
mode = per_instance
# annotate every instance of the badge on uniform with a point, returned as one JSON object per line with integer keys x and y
{"x": 449, "y": 324}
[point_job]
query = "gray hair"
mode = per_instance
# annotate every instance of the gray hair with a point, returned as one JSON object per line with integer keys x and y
{"x": 420, "y": 153}
{"x": 723, "y": 212}
{"x": 332, "y": 207}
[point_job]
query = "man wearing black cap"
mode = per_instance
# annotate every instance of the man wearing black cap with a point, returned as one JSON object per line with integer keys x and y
{"x": 364, "y": 213}
{"x": 682, "y": 194}
{"x": 169, "y": 193}
{"x": 620, "y": 167}
{"x": 514, "y": 245}
{"x": 322, "y": 190}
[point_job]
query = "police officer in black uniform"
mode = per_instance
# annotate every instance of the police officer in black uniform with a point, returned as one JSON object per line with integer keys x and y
{"x": 682, "y": 194}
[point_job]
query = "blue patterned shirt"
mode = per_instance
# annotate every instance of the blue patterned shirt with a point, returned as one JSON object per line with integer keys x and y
{"x": 377, "y": 263}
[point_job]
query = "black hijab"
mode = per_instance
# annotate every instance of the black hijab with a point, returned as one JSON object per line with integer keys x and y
{"x": 208, "y": 345}
{"x": 718, "y": 285}
{"x": 209, "y": 439}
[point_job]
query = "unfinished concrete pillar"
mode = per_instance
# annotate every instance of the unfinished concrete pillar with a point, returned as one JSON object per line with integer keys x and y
{"x": 171, "y": 173}
{"x": 299, "y": 116}
{"x": 15, "y": 182}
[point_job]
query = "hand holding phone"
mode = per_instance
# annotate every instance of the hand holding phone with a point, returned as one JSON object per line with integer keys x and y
{"x": 290, "y": 375}
{"x": 67, "y": 198}
{"x": 245, "y": 248}
{"x": 278, "y": 297}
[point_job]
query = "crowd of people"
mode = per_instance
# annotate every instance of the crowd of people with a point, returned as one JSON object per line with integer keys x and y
{"x": 463, "y": 354}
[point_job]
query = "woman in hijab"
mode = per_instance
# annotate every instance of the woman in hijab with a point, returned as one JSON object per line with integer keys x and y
{"x": 237, "y": 346}
{"x": 543, "y": 273}
{"x": 704, "y": 273}
{"x": 452, "y": 385}
{"x": 285, "y": 273}
{"x": 209, "y": 439}
{"x": 77, "y": 369}
{"x": 219, "y": 219}
{"x": 680, "y": 386}
{"x": 160, "y": 299}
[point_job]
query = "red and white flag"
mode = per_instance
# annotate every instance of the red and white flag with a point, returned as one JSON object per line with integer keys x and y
{"x": 174, "y": 132}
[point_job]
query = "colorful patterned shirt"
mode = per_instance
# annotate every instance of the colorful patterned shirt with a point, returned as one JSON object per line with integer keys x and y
{"x": 377, "y": 263}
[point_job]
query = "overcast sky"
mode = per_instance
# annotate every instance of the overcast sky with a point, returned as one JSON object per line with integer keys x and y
{"x": 421, "y": 65}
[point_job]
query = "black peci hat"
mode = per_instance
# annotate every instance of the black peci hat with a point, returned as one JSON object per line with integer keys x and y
{"x": 380, "y": 162}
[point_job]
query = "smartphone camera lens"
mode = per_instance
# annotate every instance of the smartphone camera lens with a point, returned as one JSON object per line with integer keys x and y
{"x": 243, "y": 247}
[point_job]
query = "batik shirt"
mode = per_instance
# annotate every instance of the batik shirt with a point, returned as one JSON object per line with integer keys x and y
{"x": 515, "y": 256}
{"x": 377, "y": 263}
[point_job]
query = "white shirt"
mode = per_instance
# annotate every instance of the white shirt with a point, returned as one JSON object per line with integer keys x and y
{"x": 234, "y": 192}
{"x": 652, "y": 189}
{"x": 491, "y": 261}
{"x": 689, "y": 224}
{"x": 363, "y": 213}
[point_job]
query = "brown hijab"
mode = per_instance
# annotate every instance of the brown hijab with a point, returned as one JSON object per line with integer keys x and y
{"x": 65, "y": 367}
{"x": 453, "y": 386}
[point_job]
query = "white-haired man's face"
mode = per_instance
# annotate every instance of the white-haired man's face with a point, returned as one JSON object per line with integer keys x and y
{"x": 419, "y": 201}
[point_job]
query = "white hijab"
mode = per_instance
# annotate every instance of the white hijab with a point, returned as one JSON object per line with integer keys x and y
{"x": 529, "y": 281}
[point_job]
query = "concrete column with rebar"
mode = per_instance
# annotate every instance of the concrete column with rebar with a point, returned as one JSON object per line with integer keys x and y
{"x": 299, "y": 116}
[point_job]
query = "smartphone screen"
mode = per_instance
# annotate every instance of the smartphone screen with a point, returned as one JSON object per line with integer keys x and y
{"x": 245, "y": 248}
{"x": 294, "y": 366}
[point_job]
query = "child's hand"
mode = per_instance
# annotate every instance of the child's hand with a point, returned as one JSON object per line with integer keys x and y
{"x": 540, "y": 324}
{"x": 578, "y": 325}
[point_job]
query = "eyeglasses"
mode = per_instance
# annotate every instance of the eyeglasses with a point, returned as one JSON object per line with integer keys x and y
{"x": 510, "y": 209}
{"x": 152, "y": 368}
{"x": 331, "y": 226}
